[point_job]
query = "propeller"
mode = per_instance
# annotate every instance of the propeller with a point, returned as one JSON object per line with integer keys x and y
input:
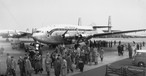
{"x": 63, "y": 35}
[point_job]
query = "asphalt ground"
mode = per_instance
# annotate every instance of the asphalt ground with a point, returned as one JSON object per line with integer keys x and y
{"x": 100, "y": 71}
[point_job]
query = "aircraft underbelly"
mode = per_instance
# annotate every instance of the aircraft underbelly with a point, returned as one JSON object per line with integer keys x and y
{"x": 55, "y": 40}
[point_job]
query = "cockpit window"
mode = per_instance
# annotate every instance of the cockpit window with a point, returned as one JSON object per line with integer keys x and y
{"x": 39, "y": 32}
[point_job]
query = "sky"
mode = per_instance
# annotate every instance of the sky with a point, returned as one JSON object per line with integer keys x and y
{"x": 23, "y": 14}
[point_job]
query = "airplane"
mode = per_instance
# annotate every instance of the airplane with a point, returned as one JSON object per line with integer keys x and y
{"x": 9, "y": 33}
{"x": 70, "y": 34}
{"x": 15, "y": 33}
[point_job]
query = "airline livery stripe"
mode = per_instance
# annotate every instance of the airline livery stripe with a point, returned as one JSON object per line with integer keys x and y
{"x": 63, "y": 29}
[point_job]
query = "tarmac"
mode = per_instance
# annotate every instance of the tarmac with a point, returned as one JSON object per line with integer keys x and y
{"x": 110, "y": 56}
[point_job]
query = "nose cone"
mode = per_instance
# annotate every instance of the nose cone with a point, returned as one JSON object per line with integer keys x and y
{"x": 37, "y": 36}
{"x": 34, "y": 36}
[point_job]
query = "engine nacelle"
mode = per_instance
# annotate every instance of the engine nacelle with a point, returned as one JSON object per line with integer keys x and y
{"x": 84, "y": 35}
{"x": 68, "y": 35}
{"x": 11, "y": 35}
{"x": 71, "y": 35}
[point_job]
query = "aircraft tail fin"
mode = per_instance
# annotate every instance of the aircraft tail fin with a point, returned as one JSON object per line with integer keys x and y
{"x": 27, "y": 30}
{"x": 33, "y": 30}
{"x": 8, "y": 34}
{"x": 109, "y": 24}
{"x": 79, "y": 21}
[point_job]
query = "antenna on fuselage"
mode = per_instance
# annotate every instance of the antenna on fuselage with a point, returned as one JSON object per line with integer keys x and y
{"x": 15, "y": 32}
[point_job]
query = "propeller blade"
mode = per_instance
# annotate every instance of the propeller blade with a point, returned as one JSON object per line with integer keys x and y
{"x": 64, "y": 33}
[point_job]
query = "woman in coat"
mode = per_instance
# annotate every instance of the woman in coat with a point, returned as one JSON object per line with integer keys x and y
{"x": 81, "y": 64}
{"x": 48, "y": 62}
{"x": 130, "y": 50}
{"x": 57, "y": 66}
{"x": 101, "y": 54}
{"x": 28, "y": 67}
{"x": 38, "y": 64}
{"x": 69, "y": 63}
{"x": 64, "y": 67}
{"x": 95, "y": 55}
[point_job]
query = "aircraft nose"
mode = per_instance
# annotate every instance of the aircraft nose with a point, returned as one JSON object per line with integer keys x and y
{"x": 34, "y": 35}
{"x": 37, "y": 35}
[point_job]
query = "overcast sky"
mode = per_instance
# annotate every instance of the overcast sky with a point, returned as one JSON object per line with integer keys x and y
{"x": 22, "y": 14}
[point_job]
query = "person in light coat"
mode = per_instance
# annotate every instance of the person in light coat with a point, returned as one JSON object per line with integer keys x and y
{"x": 13, "y": 66}
{"x": 28, "y": 67}
{"x": 101, "y": 54}
{"x": 95, "y": 55}
{"x": 64, "y": 67}
{"x": 8, "y": 62}
{"x": 48, "y": 62}
{"x": 130, "y": 50}
{"x": 69, "y": 63}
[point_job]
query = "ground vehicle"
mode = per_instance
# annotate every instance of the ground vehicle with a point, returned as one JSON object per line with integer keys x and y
{"x": 15, "y": 44}
{"x": 140, "y": 58}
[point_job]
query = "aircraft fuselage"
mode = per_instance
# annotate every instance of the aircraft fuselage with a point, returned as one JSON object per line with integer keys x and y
{"x": 60, "y": 35}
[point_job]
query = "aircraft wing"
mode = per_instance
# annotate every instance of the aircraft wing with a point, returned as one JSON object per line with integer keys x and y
{"x": 102, "y": 26}
{"x": 112, "y": 33}
{"x": 22, "y": 34}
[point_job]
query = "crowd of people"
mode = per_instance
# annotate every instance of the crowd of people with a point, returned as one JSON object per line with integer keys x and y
{"x": 131, "y": 47}
{"x": 63, "y": 59}
{"x": 102, "y": 43}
